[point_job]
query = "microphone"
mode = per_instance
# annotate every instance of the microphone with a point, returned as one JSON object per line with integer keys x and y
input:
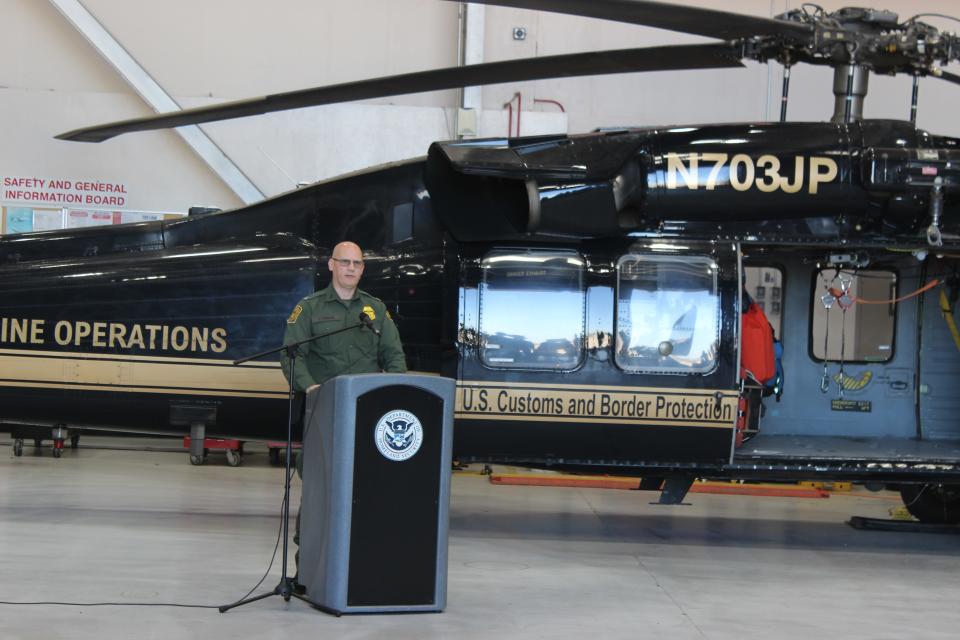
{"x": 368, "y": 323}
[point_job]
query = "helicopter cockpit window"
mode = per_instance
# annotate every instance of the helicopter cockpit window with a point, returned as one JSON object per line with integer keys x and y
{"x": 668, "y": 314}
{"x": 851, "y": 320}
{"x": 532, "y": 310}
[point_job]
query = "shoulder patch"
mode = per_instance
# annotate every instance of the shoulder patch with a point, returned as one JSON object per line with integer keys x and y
{"x": 367, "y": 309}
{"x": 297, "y": 310}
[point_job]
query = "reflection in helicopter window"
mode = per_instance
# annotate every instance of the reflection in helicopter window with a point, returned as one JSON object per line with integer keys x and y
{"x": 532, "y": 309}
{"x": 668, "y": 314}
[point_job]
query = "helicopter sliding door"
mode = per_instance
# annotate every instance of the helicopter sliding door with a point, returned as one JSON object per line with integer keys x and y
{"x": 609, "y": 354}
{"x": 849, "y": 358}
{"x": 940, "y": 363}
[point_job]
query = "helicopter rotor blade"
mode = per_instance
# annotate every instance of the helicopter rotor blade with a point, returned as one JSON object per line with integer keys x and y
{"x": 665, "y": 58}
{"x": 695, "y": 20}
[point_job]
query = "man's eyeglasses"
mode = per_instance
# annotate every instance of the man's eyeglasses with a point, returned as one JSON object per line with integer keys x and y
{"x": 346, "y": 262}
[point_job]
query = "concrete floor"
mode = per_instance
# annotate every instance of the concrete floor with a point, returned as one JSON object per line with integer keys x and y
{"x": 525, "y": 562}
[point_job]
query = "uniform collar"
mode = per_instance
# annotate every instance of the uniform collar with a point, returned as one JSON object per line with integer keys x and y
{"x": 331, "y": 294}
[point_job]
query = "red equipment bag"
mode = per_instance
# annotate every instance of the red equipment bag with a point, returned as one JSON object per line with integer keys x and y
{"x": 756, "y": 346}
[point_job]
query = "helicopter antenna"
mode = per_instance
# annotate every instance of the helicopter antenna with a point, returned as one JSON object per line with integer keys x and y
{"x": 913, "y": 99}
{"x": 785, "y": 94}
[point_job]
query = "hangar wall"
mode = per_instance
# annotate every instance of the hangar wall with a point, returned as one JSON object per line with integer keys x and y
{"x": 52, "y": 80}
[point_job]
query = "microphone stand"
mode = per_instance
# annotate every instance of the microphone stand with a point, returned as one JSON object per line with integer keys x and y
{"x": 285, "y": 587}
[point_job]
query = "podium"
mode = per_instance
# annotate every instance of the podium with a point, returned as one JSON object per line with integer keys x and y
{"x": 376, "y": 492}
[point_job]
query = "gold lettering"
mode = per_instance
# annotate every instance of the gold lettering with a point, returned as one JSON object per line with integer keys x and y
{"x": 771, "y": 170}
{"x": 117, "y": 334}
{"x": 36, "y": 332}
{"x": 735, "y": 181}
{"x": 675, "y": 164}
{"x": 136, "y": 338}
{"x": 817, "y": 177}
{"x": 198, "y": 338}
{"x": 797, "y": 177}
{"x": 166, "y": 337}
{"x": 99, "y": 334}
{"x": 18, "y": 330}
{"x": 218, "y": 340}
{"x": 3, "y": 329}
{"x": 179, "y": 337}
{"x": 719, "y": 160}
{"x": 83, "y": 330}
{"x": 152, "y": 329}
{"x": 63, "y": 333}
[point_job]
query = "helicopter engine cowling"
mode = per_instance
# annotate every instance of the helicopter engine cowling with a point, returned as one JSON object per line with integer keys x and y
{"x": 611, "y": 182}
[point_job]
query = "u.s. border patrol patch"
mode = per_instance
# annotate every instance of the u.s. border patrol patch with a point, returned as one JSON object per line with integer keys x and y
{"x": 370, "y": 312}
{"x": 398, "y": 435}
{"x": 297, "y": 310}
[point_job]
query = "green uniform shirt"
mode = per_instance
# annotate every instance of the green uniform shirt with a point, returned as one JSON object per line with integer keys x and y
{"x": 357, "y": 350}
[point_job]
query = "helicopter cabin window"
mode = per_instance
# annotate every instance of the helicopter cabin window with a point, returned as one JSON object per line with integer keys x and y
{"x": 764, "y": 285}
{"x": 532, "y": 310}
{"x": 852, "y": 317}
{"x": 668, "y": 314}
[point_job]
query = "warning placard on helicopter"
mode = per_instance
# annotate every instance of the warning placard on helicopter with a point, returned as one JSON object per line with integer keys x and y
{"x": 858, "y": 406}
{"x": 588, "y": 403}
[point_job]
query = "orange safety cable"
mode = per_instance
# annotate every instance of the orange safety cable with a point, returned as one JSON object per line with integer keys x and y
{"x": 836, "y": 293}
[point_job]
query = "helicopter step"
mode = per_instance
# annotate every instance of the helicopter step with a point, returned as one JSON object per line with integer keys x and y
{"x": 882, "y": 524}
{"x": 198, "y": 454}
{"x": 772, "y": 447}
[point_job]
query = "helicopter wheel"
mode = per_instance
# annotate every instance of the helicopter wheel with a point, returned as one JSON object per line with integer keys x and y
{"x": 18, "y": 447}
{"x": 932, "y": 503}
{"x": 234, "y": 458}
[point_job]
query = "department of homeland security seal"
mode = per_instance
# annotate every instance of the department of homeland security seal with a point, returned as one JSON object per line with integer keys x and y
{"x": 398, "y": 435}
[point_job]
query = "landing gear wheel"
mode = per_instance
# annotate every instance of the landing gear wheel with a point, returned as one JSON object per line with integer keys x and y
{"x": 233, "y": 458}
{"x": 18, "y": 447}
{"x": 932, "y": 503}
{"x": 75, "y": 441}
{"x": 198, "y": 460}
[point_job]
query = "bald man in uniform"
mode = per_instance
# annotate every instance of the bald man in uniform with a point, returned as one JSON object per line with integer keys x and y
{"x": 340, "y": 305}
{"x": 357, "y": 350}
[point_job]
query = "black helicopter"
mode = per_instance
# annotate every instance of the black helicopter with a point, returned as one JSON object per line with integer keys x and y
{"x": 589, "y": 293}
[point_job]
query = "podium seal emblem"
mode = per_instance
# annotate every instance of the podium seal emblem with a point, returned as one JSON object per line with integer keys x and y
{"x": 398, "y": 435}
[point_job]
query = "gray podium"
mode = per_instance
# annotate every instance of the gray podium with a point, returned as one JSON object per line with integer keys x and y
{"x": 376, "y": 492}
